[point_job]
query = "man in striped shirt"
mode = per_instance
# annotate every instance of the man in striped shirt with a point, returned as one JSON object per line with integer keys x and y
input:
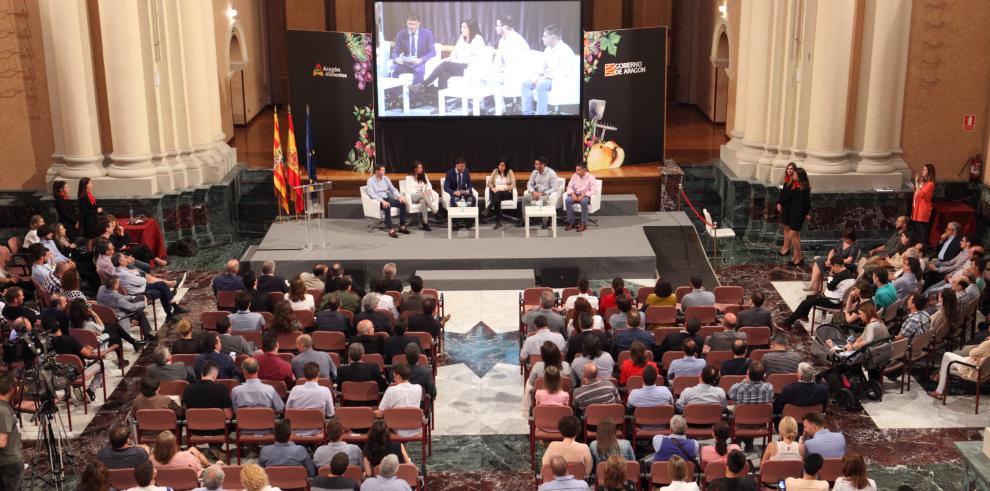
{"x": 594, "y": 390}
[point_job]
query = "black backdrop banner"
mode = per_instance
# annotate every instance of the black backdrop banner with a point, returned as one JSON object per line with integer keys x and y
{"x": 331, "y": 72}
{"x": 624, "y": 96}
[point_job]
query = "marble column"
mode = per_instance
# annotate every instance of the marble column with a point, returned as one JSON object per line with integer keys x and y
{"x": 886, "y": 27}
{"x": 220, "y": 147}
{"x": 175, "y": 46}
{"x": 730, "y": 149}
{"x": 757, "y": 87}
{"x": 198, "y": 77}
{"x": 832, "y": 53}
{"x": 69, "y": 60}
{"x": 124, "y": 39}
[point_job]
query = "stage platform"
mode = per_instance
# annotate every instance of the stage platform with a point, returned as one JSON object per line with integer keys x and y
{"x": 632, "y": 246}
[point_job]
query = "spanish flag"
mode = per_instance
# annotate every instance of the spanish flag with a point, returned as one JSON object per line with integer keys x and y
{"x": 292, "y": 167}
{"x": 281, "y": 197}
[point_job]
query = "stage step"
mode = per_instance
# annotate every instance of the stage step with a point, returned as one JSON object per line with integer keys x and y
{"x": 478, "y": 279}
{"x": 612, "y": 205}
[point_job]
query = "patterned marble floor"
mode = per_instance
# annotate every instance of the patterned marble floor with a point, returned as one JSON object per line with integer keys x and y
{"x": 480, "y": 441}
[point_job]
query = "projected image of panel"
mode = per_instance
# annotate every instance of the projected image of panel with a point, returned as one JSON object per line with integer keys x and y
{"x": 477, "y": 59}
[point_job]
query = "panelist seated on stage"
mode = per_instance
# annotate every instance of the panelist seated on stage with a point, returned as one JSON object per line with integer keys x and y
{"x": 540, "y": 186}
{"x": 579, "y": 191}
{"x": 458, "y": 185}
{"x": 412, "y": 47}
{"x": 380, "y": 189}
{"x": 466, "y": 51}
{"x": 558, "y": 66}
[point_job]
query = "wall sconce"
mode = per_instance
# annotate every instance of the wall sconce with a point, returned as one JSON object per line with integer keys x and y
{"x": 231, "y": 12}
{"x": 722, "y": 9}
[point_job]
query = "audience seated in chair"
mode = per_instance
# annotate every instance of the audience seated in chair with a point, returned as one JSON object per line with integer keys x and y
{"x": 819, "y": 440}
{"x": 706, "y": 392}
{"x": 121, "y": 453}
{"x": 756, "y": 315}
{"x": 228, "y": 280}
{"x": 284, "y": 452}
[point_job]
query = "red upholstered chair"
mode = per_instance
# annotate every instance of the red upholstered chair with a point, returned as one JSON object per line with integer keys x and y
{"x": 254, "y": 419}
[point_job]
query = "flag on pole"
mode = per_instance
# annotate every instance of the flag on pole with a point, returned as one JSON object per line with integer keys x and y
{"x": 310, "y": 161}
{"x": 292, "y": 167}
{"x": 281, "y": 197}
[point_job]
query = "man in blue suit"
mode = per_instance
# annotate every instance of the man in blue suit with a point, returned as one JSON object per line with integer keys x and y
{"x": 458, "y": 185}
{"x": 412, "y": 47}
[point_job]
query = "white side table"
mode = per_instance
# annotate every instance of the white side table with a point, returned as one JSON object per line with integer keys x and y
{"x": 545, "y": 211}
{"x": 468, "y": 212}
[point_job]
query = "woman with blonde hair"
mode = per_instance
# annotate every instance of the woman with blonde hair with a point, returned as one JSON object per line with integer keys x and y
{"x": 185, "y": 344}
{"x": 253, "y": 478}
{"x": 788, "y": 447}
{"x": 680, "y": 479}
{"x": 165, "y": 454}
{"x": 297, "y": 297}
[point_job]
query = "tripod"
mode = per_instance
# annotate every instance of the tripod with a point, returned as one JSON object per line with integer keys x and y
{"x": 52, "y": 438}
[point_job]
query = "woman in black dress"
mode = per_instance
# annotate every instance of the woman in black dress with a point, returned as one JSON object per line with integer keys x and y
{"x": 88, "y": 210}
{"x": 63, "y": 208}
{"x": 797, "y": 209}
{"x": 784, "y": 204}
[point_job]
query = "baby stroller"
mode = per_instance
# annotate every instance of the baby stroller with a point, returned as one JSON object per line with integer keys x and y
{"x": 855, "y": 376}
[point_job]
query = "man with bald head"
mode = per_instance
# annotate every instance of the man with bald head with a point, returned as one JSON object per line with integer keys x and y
{"x": 253, "y": 392}
{"x": 594, "y": 390}
{"x": 228, "y": 280}
{"x": 366, "y": 338}
{"x": 306, "y": 354}
{"x": 722, "y": 341}
{"x": 562, "y": 479}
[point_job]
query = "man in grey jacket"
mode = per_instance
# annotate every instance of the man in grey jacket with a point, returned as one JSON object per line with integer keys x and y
{"x": 126, "y": 307}
{"x": 164, "y": 370}
{"x": 230, "y": 343}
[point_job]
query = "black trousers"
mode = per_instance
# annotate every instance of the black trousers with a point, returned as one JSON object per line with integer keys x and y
{"x": 444, "y": 71}
{"x": 802, "y": 310}
{"x": 497, "y": 198}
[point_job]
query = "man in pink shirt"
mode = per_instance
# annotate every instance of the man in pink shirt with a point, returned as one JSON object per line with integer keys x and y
{"x": 579, "y": 190}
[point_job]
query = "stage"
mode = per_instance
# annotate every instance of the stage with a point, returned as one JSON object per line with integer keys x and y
{"x": 631, "y": 246}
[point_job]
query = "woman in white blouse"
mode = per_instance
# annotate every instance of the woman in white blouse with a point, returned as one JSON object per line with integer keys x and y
{"x": 297, "y": 297}
{"x": 420, "y": 190}
{"x": 469, "y": 44}
{"x": 500, "y": 185}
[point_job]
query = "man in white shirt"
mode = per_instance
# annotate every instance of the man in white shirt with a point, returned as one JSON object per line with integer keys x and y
{"x": 511, "y": 45}
{"x": 584, "y": 291}
{"x": 402, "y": 394}
{"x": 543, "y": 334}
{"x": 558, "y": 64}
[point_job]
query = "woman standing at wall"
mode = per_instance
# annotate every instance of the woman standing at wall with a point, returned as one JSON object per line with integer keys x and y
{"x": 63, "y": 208}
{"x": 798, "y": 211}
{"x": 784, "y": 204}
{"x": 88, "y": 210}
{"x": 921, "y": 209}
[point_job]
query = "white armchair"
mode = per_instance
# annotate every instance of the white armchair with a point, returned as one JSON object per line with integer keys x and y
{"x": 506, "y": 204}
{"x": 445, "y": 197}
{"x": 557, "y": 196}
{"x": 594, "y": 206}
{"x": 372, "y": 209}
{"x": 405, "y": 189}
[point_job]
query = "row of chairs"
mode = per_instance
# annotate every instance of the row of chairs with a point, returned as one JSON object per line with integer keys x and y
{"x": 225, "y": 299}
{"x": 769, "y": 474}
{"x": 748, "y": 421}
{"x": 333, "y": 343}
{"x": 284, "y": 477}
{"x": 255, "y": 426}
